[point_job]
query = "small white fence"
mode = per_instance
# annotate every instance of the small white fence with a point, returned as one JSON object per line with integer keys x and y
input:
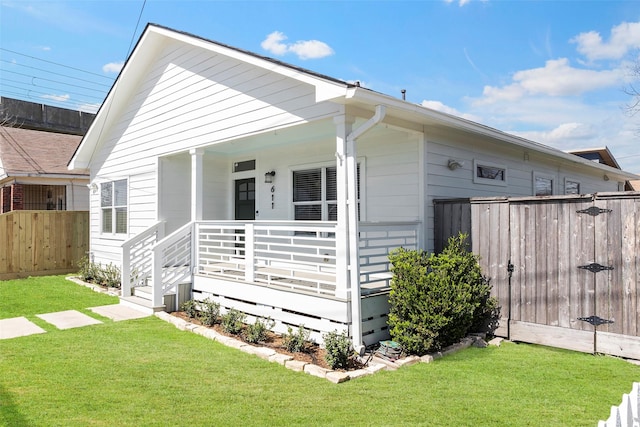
{"x": 628, "y": 413}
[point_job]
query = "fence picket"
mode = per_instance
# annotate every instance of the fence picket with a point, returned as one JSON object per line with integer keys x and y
{"x": 627, "y": 414}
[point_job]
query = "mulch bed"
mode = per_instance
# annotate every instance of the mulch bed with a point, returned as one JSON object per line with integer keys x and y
{"x": 312, "y": 353}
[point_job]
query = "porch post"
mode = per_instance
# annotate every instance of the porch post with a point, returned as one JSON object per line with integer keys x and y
{"x": 343, "y": 128}
{"x": 196, "y": 183}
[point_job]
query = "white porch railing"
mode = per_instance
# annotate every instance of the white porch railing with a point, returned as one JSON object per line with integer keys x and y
{"x": 377, "y": 239}
{"x": 172, "y": 262}
{"x": 296, "y": 255}
{"x": 628, "y": 413}
{"x": 137, "y": 257}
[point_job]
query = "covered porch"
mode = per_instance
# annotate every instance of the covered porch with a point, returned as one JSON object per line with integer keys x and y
{"x": 286, "y": 270}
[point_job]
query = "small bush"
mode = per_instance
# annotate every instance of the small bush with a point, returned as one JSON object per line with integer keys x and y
{"x": 209, "y": 312}
{"x": 92, "y": 272}
{"x": 258, "y": 331}
{"x": 190, "y": 308}
{"x": 109, "y": 276}
{"x": 436, "y": 299}
{"x": 233, "y": 321}
{"x": 295, "y": 341}
{"x": 338, "y": 347}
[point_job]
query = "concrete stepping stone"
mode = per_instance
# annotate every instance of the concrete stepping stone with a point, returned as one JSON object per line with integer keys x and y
{"x": 118, "y": 312}
{"x": 18, "y": 327}
{"x": 68, "y": 319}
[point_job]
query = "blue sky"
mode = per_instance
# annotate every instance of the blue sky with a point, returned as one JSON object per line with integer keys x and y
{"x": 551, "y": 71}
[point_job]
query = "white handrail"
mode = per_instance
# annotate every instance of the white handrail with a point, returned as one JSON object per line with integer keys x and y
{"x": 138, "y": 266}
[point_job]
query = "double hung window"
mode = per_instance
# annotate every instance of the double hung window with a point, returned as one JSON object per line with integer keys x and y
{"x": 315, "y": 194}
{"x": 114, "y": 208}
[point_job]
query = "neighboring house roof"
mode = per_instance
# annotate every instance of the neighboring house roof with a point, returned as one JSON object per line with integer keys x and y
{"x": 155, "y": 37}
{"x": 26, "y": 152}
{"x": 600, "y": 155}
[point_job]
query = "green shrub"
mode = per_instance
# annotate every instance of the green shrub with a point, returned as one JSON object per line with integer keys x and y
{"x": 436, "y": 299}
{"x": 233, "y": 321}
{"x": 258, "y": 331}
{"x": 295, "y": 341}
{"x": 338, "y": 347}
{"x": 190, "y": 308}
{"x": 209, "y": 312}
{"x": 95, "y": 273}
{"x": 109, "y": 275}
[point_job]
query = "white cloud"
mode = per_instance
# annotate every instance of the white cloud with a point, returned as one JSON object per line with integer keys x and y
{"x": 89, "y": 108}
{"x": 462, "y": 3}
{"x": 113, "y": 67}
{"x": 624, "y": 37}
{"x": 556, "y": 78}
{"x": 439, "y": 106}
{"x": 59, "y": 98}
{"x": 304, "y": 49}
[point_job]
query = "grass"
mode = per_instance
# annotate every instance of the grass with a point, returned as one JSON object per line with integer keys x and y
{"x": 146, "y": 372}
{"x": 38, "y": 295}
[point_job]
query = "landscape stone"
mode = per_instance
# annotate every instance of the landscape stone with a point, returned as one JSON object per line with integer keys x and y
{"x": 359, "y": 373}
{"x": 280, "y": 358}
{"x": 408, "y": 361}
{"x": 337, "y": 377}
{"x": 295, "y": 365}
{"x": 262, "y": 352}
{"x": 496, "y": 341}
{"x": 316, "y": 370}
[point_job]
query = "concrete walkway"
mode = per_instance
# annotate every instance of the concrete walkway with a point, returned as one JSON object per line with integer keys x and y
{"x": 21, "y": 326}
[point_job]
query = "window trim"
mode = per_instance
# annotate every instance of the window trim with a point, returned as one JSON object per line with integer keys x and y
{"x": 543, "y": 175}
{"x": 478, "y": 180}
{"x": 113, "y": 208}
{"x": 568, "y": 179}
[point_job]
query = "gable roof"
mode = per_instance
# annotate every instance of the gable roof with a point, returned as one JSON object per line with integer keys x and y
{"x": 601, "y": 155}
{"x": 27, "y": 152}
{"x": 327, "y": 88}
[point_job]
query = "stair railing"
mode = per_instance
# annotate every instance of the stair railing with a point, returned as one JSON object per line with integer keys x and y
{"x": 136, "y": 258}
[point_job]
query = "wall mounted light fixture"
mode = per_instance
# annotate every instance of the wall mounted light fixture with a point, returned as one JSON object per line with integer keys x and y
{"x": 93, "y": 187}
{"x": 455, "y": 164}
{"x": 268, "y": 177}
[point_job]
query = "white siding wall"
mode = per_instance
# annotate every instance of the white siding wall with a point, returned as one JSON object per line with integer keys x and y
{"x": 521, "y": 167}
{"x": 190, "y": 98}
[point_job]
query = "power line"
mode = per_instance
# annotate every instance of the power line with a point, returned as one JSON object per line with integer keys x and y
{"x": 58, "y": 64}
{"x": 51, "y": 72}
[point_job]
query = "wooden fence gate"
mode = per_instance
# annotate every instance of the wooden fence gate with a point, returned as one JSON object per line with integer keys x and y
{"x": 566, "y": 270}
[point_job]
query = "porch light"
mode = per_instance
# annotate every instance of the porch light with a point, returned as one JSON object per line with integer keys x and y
{"x": 268, "y": 177}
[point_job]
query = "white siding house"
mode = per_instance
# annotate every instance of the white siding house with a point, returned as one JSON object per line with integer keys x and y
{"x": 181, "y": 151}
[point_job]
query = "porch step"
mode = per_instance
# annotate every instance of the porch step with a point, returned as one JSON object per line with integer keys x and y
{"x": 140, "y": 303}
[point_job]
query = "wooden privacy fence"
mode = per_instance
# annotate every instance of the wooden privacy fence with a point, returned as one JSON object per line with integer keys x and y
{"x": 575, "y": 269}
{"x": 34, "y": 243}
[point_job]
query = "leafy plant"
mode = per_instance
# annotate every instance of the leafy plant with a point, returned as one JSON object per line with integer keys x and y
{"x": 190, "y": 308}
{"x": 338, "y": 347}
{"x": 209, "y": 312}
{"x": 92, "y": 272}
{"x": 233, "y": 321}
{"x": 436, "y": 299}
{"x": 258, "y": 331}
{"x": 295, "y": 341}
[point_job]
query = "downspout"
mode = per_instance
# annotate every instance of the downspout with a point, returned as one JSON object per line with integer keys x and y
{"x": 352, "y": 222}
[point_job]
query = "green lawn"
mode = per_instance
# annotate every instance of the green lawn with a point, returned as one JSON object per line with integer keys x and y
{"x": 146, "y": 372}
{"x": 38, "y": 295}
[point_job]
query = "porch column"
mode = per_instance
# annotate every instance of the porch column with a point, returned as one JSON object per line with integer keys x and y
{"x": 196, "y": 184}
{"x": 343, "y": 128}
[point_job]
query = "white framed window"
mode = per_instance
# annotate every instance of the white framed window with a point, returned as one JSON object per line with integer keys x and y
{"x": 489, "y": 173}
{"x": 542, "y": 184}
{"x": 114, "y": 207}
{"x": 315, "y": 194}
{"x": 571, "y": 186}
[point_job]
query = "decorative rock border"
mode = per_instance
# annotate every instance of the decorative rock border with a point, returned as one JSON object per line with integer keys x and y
{"x": 375, "y": 365}
{"x": 101, "y": 289}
